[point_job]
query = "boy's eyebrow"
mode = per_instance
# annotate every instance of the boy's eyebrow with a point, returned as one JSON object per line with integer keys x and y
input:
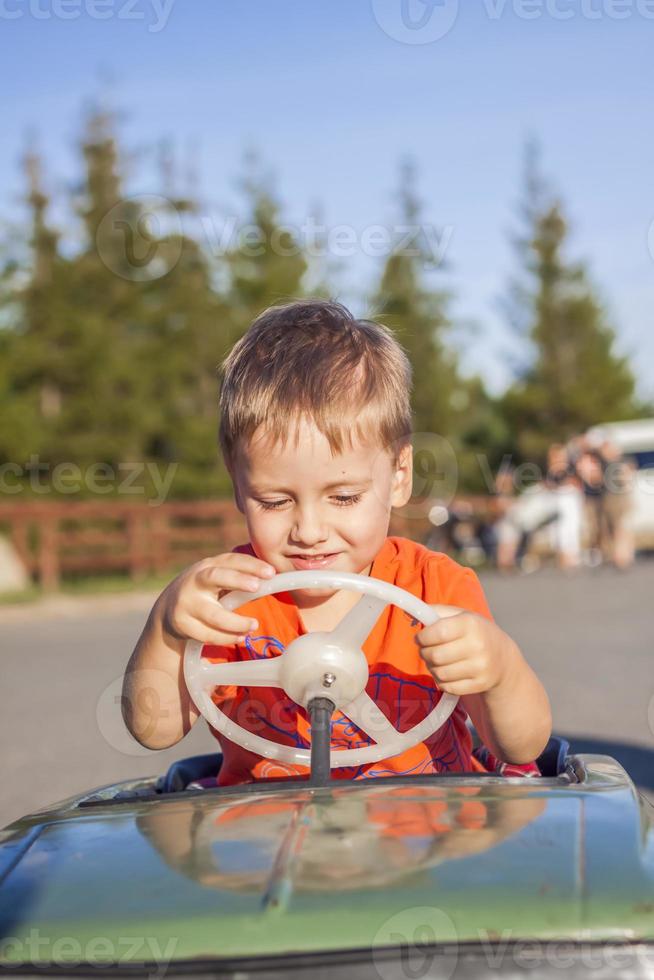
{"x": 329, "y": 486}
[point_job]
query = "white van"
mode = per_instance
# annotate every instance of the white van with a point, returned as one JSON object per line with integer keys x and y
{"x": 636, "y": 440}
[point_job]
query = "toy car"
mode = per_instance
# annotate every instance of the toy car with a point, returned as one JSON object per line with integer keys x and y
{"x": 449, "y": 875}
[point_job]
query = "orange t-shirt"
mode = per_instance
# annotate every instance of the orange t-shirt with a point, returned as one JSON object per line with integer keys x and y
{"x": 399, "y": 680}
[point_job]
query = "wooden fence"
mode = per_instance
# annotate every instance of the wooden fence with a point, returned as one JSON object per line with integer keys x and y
{"x": 63, "y": 538}
{"x": 54, "y": 539}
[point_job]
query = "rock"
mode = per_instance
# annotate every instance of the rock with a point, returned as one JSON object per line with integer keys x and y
{"x": 13, "y": 575}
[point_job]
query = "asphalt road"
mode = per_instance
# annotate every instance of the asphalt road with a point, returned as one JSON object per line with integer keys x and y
{"x": 588, "y": 635}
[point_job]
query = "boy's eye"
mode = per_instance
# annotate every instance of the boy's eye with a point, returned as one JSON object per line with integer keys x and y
{"x": 343, "y": 500}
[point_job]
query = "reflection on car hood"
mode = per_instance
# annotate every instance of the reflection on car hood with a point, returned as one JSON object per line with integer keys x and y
{"x": 303, "y": 869}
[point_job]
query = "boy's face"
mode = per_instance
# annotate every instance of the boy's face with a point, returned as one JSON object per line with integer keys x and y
{"x": 304, "y": 501}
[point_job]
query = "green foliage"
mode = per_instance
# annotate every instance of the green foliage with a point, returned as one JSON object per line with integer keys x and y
{"x": 418, "y": 316}
{"x": 110, "y": 355}
{"x": 575, "y": 378}
{"x": 266, "y": 264}
{"x": 444, "y": 401}
{"x": 111, "y": 340}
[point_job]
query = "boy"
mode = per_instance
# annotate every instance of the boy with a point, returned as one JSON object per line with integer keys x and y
{"x": 315, "y": 431}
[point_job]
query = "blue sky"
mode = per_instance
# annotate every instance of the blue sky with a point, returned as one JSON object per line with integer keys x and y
{"x": 333, "y": 97}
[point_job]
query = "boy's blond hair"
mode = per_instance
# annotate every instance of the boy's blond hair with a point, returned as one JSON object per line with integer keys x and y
{"x": 313, "y": 359}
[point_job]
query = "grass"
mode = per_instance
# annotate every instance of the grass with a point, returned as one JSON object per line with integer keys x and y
{"x": 94, "y": 585}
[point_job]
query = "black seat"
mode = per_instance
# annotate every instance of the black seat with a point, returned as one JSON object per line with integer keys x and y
{"x": 185, "y": 771}
{"x": 551, "y": 761}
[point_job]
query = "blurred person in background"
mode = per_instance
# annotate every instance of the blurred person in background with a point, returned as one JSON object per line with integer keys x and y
{"x": 519, "y": 518}
{"x": 565, "y": 486}
{"x": 618, "y": 540}
{"x": 508, "y": 532}
{"x": 590, "y": 465}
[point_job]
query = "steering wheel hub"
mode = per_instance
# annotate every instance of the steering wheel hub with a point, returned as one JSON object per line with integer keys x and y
{"x": 308, "y": 663}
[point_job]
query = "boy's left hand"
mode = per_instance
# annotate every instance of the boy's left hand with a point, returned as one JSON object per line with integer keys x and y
{"x": 465, "y": 652}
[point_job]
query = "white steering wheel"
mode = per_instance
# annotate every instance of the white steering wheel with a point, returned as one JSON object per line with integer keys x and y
{"x": 319, "y": 664}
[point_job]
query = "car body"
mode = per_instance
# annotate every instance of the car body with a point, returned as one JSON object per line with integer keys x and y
{"x": 471, "y": 874}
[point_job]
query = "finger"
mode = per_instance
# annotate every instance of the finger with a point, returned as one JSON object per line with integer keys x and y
{"x": 443, "y": 631}
{"x": 211, "y": 614}
{"x": 228, "y": 580}
{"x": 461, "y": 688}
{"x": 252, "y": 565}
{"x": 451, "y": 673}
{"x": 456, "y": 651}
{"x": 199, "y": 631}
{"x": 447, "y": 611}
{"x": 249, "y": 564}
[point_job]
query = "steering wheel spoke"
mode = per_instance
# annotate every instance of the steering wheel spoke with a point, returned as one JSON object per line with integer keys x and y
{"x": 247, "y": 673}
{"x": 368, "y": 716}
{"x": 357, "y": 624}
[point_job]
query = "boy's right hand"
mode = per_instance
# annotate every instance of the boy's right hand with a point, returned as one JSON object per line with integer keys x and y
{"x": 190, "y": 608}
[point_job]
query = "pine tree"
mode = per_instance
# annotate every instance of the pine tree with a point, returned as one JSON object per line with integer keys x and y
{"x": 267, "y": 265}
{"x": 574, "y": 378}
{"x": 187, "y": 321}
{"x": 104, "y": 418}
{"x": 34, "y": 335}
{"x": 418, "y": 316}
{"x": 108, "y": 358}
{"x": 157, "y": 327}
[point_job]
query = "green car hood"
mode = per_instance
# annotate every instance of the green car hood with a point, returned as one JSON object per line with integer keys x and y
{"x": 350, "y": 866}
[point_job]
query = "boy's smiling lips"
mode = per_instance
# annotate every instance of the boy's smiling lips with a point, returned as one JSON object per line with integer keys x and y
{"x": 313, "y": 561}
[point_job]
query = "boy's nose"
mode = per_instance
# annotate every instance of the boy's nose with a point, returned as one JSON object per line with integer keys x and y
{"x": 308, "y": 529}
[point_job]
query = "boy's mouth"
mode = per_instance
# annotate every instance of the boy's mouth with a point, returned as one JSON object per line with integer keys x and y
{"x": 313, "y": 561}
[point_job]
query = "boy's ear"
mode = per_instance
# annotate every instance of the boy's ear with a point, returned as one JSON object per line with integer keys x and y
{"x": 402, "y": 485}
